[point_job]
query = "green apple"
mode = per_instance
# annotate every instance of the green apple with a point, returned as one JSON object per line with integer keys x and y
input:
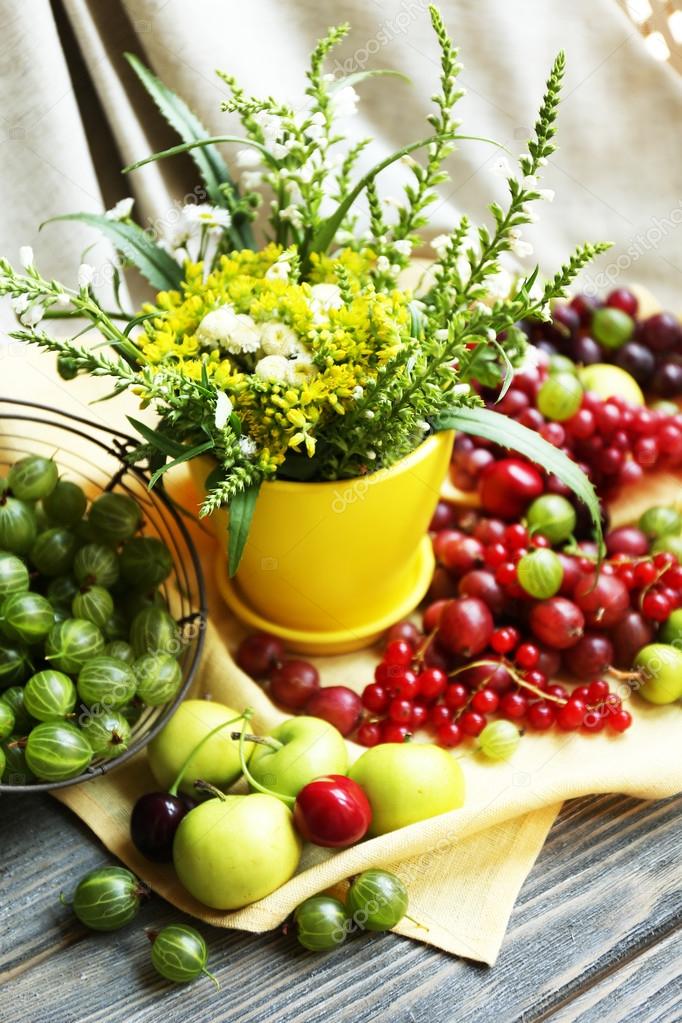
{"x": 216, "y": 762}
{"x": 301, "y": 749}
{"x": 408, "y": 782}
{"x": 608, "y": 380}
{"x": 232, "y": 851}
{"x": 661, "y": 670}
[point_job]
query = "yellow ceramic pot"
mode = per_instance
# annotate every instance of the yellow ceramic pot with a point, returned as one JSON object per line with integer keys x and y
{"x": 329, "y": 566}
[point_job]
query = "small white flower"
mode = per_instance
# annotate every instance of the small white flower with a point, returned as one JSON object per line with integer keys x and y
{"x": 247, "y": 159}
{"x": 274, "y": 367}
{"x": 247, "y": 446}
{"x": 20, "y": 304}
{"x": 251, "y": 180}
{"x": 293, "y": 215}
{"x": 491, "y": 334}
{"x": 62, "y": 300}
{"x": 383, "y": 264}
{"x": 345, "y": 101}
{"x": 216, "y": 326}
{"x": 404, "y": 247}
{"x": 205, "y": 215}
{"x": 277, "y": 338}
{"x": 369, "y": 414}
{"x": 244, "y": 336}
{"x": 223, "y": 410}
{"x": 121, "y": 210}
{"x": 86, "y": 275}
{"x": 529, "y": 183}
{"x": 329, "y": 78}
{"x": 279, "y": 271}
{"x": 546, "y": 193}
{"x": 33, "y": 315}
{"x": 327, "y": 296}
{"x": 358, "y": 392}
{"x": 439, "y": 244}
{"x": 26, "y": 256}
{"x": 371, "y": 455}
{"x": 500, "y": 284}
{"x": 521, "y": 248}
{"x": 442, "y": 334}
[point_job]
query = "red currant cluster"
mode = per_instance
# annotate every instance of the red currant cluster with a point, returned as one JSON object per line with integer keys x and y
{"x": 612, "y": 440}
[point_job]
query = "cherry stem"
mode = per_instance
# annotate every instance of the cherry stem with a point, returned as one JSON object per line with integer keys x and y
{"x": 205, "y": 786}
{"x": 246, "y": 716}
{"x": 262, "y": 740}
{"x": 289, "y": 800}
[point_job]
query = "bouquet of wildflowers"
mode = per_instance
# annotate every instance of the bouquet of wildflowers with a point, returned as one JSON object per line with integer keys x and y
{"x": 304, "y": 358}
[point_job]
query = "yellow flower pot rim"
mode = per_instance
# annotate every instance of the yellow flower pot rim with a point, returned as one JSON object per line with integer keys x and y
{"x": 406, "y": 462}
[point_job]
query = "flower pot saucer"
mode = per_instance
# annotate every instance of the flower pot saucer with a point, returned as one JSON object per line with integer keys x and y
{"x": 338, "y": 641}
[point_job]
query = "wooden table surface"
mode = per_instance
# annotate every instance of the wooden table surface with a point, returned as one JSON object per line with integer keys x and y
{"x": 595, "y": 938}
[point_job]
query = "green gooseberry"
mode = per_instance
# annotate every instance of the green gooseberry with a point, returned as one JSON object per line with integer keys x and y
{"x": 17, "y": 771}
{"x": 377, "y": 900}
{"x": 14, "y": 698}
{"x": 660, "y": 521}
{"x": 540, "y": 573}
{"x": 108, "y": 733}
{"x": 18, "y": 525}
{"x": 33, "y": 477}
{"x": 72, "y": 643}
{"x": 67, "y": 367}
{"x": 660, "y": 665}
{"x": 61, "y": 591}
{"x": 179, "y": 953}
{"x": 49, "y": 695}
{"x": 3, "y": 761}
{"x": 136, "y": 602}
{"x": 108, "y": 898}
{"x": 671, "y": 629}
{"x": 322, "y": 923}
{"x": 26, "y": 617}
{"x": 15, "y": 666}
{"x": 158, "y": 678}
{"x": 115, "y": 517}
{"x": 612, "y": 327}
{"x": 671, "y": 543}
{"x": 115, "y": 626}
{"x": 120, "y": 650}
{"x": 553, "y": 516}
{"x": 145, "y": 562}
{"x": 94, "y": 603}
{"x": 54, "y": 550}
{"x": 107, "y": 682}
{"x": 14, "y": 576}
{"x": 7, "y": 723}
{"x": 66, "y": 505}
{"x": 57, "y": 750}
{"x": 561, "y": 364}
{"x": 155, "y": 631}
{"x": 97, "y": 565}
{"x": 560, "y": 396}
{"x": 499, "y": 739}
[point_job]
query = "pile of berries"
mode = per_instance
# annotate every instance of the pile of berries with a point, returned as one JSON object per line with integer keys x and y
{"x": 507, "y": 614}
{"x": 613, "y": 441}
{"x": 588, "y": 331}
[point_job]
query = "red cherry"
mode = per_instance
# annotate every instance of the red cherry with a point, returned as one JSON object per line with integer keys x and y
{"x": 507, "y": 486}
{"x": 431, "y": 616}
{"x": 557, "y": 622}
{"x": 332, "y": 811}
{"x": 258, "y": 654}
{"x": 338, "y": 705}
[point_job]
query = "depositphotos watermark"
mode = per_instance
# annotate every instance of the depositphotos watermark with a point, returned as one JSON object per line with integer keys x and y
{"x": 410, "y": 11}
{"x": 646, "y": 241}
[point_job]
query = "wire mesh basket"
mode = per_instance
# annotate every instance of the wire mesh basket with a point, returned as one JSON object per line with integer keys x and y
{"x": 94, "y": 456}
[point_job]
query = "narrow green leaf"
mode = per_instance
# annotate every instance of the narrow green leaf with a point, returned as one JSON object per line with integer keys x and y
{"x": 242, "y": 507}
{"x": 324, "y": 236}
{"x": 162, "y": 272}
{"x": 194, "y": 452}
{"x": 359, "y": 76}
{"x": 212, "y": 167}
{"x": 483, "y": 422}
{"x": 163, "y": 443}
{"x": 187, "y": 147}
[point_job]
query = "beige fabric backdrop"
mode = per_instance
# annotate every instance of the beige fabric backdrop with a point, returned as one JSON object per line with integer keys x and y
{"x": 618, "y": 173}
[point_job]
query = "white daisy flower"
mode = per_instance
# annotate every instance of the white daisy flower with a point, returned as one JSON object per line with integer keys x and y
{"x": 278, "y": 338}
{"x": 279, "y": 271}
{"x": 205, "y": 215}
{"x": 216, "y": 326}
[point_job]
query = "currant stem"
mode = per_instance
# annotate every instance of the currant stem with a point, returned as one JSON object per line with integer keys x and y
{"x": 246, "y": 716}
{"x": 289, "y": 800}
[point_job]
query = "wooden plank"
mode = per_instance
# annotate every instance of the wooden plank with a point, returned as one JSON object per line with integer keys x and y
{"x": 606, "y": 886}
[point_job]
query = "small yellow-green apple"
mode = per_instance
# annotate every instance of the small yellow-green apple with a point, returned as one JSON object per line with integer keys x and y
{"x": 300, "y": 750}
